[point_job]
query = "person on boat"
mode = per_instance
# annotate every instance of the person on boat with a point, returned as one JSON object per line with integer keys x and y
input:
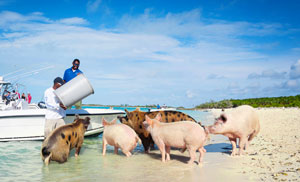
{"x": 29, "y": 98}
{"x": 18, "y": 94}
{"x": 71, "y": 73}
{"x": 14, "y": 95}
{"x": 158, "y": 106}
{"x": 23, "y": 96}
{"x": 7, "y": 97}
{"x": 56, "y": 111}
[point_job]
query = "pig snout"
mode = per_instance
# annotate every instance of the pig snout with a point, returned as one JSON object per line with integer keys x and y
{"x": 147, "y": 126}
{"x": 211, "y": 129}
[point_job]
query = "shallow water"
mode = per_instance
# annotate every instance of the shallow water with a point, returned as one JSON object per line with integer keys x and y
{"x": 21, "y": 161}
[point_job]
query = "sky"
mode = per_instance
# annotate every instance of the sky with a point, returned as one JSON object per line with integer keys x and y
{"x": 142, "y": 52}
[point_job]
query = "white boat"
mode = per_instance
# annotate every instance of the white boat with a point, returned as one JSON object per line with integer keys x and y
{"x": 163, "y": 109}
{"x": 21, "y": 121}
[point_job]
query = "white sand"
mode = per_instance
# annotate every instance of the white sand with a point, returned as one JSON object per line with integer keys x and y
{"x": 275, "y": 153}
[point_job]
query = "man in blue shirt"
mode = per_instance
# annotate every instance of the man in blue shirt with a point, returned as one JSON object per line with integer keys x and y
{"x": 73, "y": 71}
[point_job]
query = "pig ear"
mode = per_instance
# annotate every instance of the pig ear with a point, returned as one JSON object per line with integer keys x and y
{"x": 149, "y": 121}
{"x": 104, "y": 122}
{"x": 223, "y": 118}
{"x": 87, "y": 120}
{"x": 158, "y": 117}
{"x": 114, "y": 121}
{"x": 130, "y": 123}
{"x": 120, "y": 118}
{"x": 76, "y": 116}
{"x": 127, "y": 112}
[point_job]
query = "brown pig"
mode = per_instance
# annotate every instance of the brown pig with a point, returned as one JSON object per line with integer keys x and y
{"x": 57, "y": 146}
{"x": 240, "y": 123}
{"x": 119, "y": 136}
{"x": 136, "y": 118}
{"x": 185, "y": 135}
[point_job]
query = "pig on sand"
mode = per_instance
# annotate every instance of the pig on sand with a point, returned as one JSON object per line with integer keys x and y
{"x": 185, "y": 134}
{"x": 240, "y": 123}
{"x": 119, "y": 136}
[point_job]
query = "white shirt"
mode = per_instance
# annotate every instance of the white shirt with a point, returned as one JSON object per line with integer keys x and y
{"x": 54, "y": 111}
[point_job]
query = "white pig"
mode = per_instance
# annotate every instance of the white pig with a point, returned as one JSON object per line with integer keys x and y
{"x": 185, "y": 134}
{"x": 119, "y": 136}
{"x": 240, "y": 123}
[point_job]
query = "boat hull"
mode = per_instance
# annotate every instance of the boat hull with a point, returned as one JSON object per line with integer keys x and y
{"x": 162, "y": 109}
{"x": 17, "y": 125}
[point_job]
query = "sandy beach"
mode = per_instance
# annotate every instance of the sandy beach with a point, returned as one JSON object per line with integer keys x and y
{"x": 275, "y": 153}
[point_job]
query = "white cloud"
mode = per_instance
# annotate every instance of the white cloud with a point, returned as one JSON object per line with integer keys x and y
{"x": 73, "y": 21}
{"x": 272, "y": 74}
{"x": 92, "y": 5}
{"x": 215, "y": 76}
{"x": 295, "y": 70}
{"x": 292, "y": 85}
{"x": 191, "y": 24}
{"x": 146, "y": 57}
{"x": 190, "y": 94}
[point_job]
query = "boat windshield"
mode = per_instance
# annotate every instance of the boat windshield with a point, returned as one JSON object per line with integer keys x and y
{"x": 4, "y": 88}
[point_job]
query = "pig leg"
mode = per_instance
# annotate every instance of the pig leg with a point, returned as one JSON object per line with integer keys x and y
{"x": 127, "y": 153}
{"x": 233, "y": 143}
{"x": 104, "y": 147}
{"x": 168, "y": 148}
{"x": 192, "y": 155}
{"x": 252, "y": 135}
{"x": 243, "y": 142}
{"x": 202, "y": 152}
{"x": 77, "y": 151}
{"x": 116, "y": 150}
{"x": 161, "y": 147}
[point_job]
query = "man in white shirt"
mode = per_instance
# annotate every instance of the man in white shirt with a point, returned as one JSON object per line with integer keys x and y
{"x": 56, "y": 111}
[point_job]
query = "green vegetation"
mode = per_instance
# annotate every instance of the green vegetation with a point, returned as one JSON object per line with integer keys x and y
{"x": 290, "y": 101}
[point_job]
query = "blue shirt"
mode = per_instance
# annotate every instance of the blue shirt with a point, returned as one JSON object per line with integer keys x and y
{"x": 70, "y": 74}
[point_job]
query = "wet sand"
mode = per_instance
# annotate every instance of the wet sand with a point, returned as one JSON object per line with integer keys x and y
{"x": 275, "y": 153}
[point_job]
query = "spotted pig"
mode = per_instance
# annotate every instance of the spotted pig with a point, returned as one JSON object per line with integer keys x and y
{"x": 57, "y": 146}
{"x": 136, "y": 118}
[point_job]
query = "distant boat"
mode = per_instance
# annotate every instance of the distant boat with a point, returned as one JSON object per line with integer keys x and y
{"x": 22, "y": 121}
{"x": 163, "y": 109}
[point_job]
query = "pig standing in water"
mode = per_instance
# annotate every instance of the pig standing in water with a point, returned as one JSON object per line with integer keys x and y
{"x": 185, "y": 134}
{"x": 241, "y": 123}
{"x": 119, "y": 136}
{"x": 57, "y": 146}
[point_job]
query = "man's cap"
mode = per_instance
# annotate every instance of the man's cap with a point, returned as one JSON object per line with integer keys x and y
{"x": 59, "y": 80}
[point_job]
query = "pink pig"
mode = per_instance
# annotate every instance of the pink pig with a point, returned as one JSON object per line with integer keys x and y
{"x": 119, "y": 136}
{"x": 185, "y": 134}
{"x": 241, "y": 123}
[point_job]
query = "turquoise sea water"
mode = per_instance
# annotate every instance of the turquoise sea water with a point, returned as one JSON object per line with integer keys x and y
{"x": 21, "y": 161}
